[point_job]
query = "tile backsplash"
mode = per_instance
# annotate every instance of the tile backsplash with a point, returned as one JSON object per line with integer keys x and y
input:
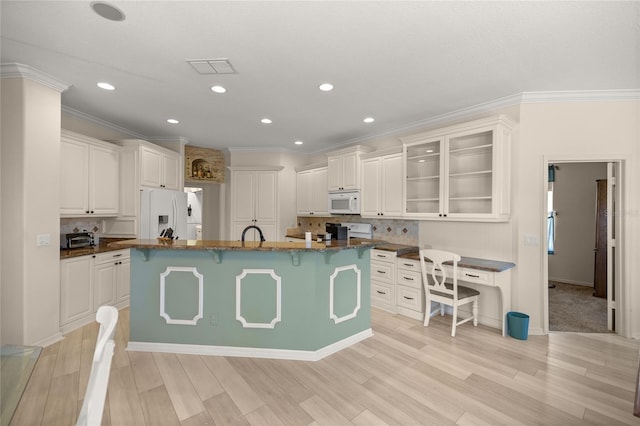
{"x": 391, "y": 230}
{"x": 79, "y": 224}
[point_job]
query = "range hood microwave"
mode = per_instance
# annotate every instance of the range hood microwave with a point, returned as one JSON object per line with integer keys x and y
{"x": 344, "y": 202}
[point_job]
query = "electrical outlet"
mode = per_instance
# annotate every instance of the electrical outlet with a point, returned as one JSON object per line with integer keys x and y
{"x": 213, "y": 319}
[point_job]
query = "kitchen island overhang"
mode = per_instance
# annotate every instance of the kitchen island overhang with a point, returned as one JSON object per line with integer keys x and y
{"x": 287, "y": 300}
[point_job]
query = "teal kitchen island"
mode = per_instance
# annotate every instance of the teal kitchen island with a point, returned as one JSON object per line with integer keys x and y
{"x": 289, "y": 300}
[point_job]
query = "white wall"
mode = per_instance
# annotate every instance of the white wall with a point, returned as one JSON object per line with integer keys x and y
{"x": 588, "y": 130}
{"x": 574, "y": 193}
{"x": 30, "y": 207}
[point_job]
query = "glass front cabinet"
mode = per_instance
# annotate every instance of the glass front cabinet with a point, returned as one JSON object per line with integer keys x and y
{"x": 460, "y": 172}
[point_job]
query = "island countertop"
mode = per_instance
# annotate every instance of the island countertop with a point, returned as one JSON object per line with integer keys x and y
{"x": 243, "y": 246}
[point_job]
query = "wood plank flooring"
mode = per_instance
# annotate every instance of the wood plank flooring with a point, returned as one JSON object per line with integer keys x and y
{"x": 404, "y": 375}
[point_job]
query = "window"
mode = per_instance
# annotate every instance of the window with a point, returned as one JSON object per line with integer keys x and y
{"x": 551, "y": 215}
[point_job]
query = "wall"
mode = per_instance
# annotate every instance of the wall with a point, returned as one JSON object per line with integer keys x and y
{"x": 590, "y": 131}
{"x": 574, "y": 193}
{"x": 30, "y": 207}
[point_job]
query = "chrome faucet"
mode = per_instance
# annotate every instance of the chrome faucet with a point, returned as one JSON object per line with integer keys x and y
{"x": 255, "y": 227}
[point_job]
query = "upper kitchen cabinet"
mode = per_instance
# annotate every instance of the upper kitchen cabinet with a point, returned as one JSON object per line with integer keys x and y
{"x": 160, "y": 168}
{"x": 344, "y": 168}
{"x": 254, "y": 201}
{"x": 311, "y": 192}
{"x": 460, "y": 172}
{"x": 381, "y": 194}
{"x": 89, "y": 176}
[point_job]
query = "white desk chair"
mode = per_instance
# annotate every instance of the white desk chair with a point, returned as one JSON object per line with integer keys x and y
{"x": 93, "y": 404}
{"x": 436, "y": 289}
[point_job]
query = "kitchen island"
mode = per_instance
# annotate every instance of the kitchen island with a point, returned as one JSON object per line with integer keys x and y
{"x": 290, "y": 300}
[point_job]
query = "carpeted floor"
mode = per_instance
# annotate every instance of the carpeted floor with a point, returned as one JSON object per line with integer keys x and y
{"x": 574, "y": 308}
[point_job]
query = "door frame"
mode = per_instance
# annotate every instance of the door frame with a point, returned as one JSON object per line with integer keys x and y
{"x": 621, "y": 245}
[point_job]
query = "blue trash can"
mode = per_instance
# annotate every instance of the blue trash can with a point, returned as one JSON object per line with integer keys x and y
{"x": 518, "y": 325}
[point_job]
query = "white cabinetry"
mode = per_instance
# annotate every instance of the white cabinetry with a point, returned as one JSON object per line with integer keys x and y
{"x": 409, "y": 290}
{"x": 461, "y": 172}
{"x": 381, "y": 193}
{"x": 254, "y": 201}
{"x": 344, "y": 168}
{"x": 160, "y": 168}
{"x": 311, "y": 192}
{"x": 383, "y": 276}
{"x": 89, "y": 176}
{"x": 88, "y": 282}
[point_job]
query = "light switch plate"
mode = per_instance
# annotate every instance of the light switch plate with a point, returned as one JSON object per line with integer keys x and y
{"x": 44, "y": 240}
{"x": 531, "y": 240}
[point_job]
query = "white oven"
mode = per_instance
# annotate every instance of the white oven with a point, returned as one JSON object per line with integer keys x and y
{"x": 344, "y": 202}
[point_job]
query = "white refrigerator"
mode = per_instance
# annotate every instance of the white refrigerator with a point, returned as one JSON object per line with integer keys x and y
{"x": 161, "y": 209}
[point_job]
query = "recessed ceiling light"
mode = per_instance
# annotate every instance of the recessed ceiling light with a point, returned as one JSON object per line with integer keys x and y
{"x": 326, "y": 87}
{"x": 106, "y": 86}
{"x": 172, "y": 121}
{"x": 429, "y": 151}
{"x": 420, "y": 161}
{"x": 298, "y": 142}
{"x": 107, "y": 11}
{"x": 369, "y": 120}
{"x": 218, "y": 89}
{"x": 266, "y": 121}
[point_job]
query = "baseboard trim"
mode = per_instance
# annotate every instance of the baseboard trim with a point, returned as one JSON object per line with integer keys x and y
{"x": 572, "y": 282}
{"x": 49, "y": 340}
{"x": 246, "y": 352}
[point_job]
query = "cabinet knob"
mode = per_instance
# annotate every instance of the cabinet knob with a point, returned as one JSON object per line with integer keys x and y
{"x": 91, "y": 211}
{"x": 87, "y": 212}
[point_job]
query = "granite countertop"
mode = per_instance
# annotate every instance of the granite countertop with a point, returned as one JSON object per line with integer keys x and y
{"x": 241, "y": 246}
{"x": 102, "y": 247}
{"x": 377, "y": 244}
{"x": 472, "y": 263}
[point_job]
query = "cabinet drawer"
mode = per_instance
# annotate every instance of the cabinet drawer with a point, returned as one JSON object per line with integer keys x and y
{"x": 475, "y": 276}
{"x": 382, "y": 293}
{"x": 410, "y": 298}
{"x": 384, "y": 256}
{"x": 112, "y": 255}
{"x": 409, "y": 278}
{"x": 409, "y": 264}
{"x": 382, "y": 271}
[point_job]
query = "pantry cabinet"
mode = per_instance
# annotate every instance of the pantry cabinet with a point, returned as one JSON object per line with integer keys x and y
{"x": 254, "y": 201}
{"x": 344, "y": 168}
{"x": 460, "y": 172}
{"x": 311, "y": 192}
{"x": 88, "y": 282}
{"x": 89, "y": 176}
{"x": 381, "y": 194}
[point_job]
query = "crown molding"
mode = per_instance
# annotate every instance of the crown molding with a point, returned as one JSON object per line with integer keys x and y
{"x": 102, "y": 123}
{"x": 16, "y": 70}
{"x": 581, "y": 96}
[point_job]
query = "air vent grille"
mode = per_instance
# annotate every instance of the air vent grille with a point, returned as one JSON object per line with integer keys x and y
{"x": 212, "y": 66}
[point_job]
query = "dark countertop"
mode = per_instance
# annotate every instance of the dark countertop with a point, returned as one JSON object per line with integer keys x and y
{"x": 473, "y": 263}
{"x": 241, "y": 246}
{"x": 102, "y": 247}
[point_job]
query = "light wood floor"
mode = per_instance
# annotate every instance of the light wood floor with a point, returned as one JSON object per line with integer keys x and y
{"x": 405, "y": 374}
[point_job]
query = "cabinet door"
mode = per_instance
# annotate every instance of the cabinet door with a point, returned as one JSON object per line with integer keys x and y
{"x": 74, "y": 169}
{"x": 391, "y": 185}
{"x": 76, "y": 288}
{"x": 350, "y": 171}
{"x": 423, "y": 184}
{"x": 304, "y": 197}
{"x": 171, "y": 169}
{"x": 320, "y": 203}
{"x": 371, "y": 188}
{"x": 334, "y": 170}
{"x": 243, "y": 196}
{"x": 105, "y": 276}
{"x": 104, "y": 181}
{"x": 150, "y": 167}
{"x": 123, "y": 284}
{"x": 266, "y": 193}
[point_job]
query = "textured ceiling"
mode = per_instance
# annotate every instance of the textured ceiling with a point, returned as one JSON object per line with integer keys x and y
{"x": 400, "y": 62}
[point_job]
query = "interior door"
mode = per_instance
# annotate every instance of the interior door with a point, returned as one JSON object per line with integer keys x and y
{"x": 613, "y": 241}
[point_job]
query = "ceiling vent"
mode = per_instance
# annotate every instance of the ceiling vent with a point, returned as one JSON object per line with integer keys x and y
{"x": 212, "y": 66}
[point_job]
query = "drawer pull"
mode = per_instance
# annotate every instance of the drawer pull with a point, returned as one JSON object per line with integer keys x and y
{"x": 117, "y": 255}
{"x": 471, "y": 275}
{"x": 382, "y": 256}
{"x": 380, "y": 292}
{"x": 408, "y": 264}
{"x": 408, "y": 298}
{"x": 436, "y": 269}
{"x": 408, "y": 278}
{"x": 381, "y": 272}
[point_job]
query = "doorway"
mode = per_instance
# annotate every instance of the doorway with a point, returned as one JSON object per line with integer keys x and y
{"x": 576, "y": 300}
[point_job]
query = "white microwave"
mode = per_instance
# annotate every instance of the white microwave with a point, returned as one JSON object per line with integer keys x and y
{"x": 344, "y": 202}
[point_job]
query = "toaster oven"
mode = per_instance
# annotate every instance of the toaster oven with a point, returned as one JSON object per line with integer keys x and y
{"x": 77, "y": 240}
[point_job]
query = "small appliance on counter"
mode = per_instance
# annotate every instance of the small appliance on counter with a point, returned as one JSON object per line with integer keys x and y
{"x": 77, "y": 240}
{"x": 359, "y": 230}
{"x": 337, "y": 231}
